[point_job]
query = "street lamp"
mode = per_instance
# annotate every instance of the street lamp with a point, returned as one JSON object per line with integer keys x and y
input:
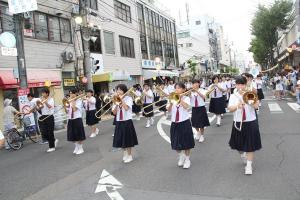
{"x": 78, "y": 19}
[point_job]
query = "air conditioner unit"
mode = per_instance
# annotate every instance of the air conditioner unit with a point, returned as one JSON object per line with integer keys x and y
{"x": 68, "y": 56}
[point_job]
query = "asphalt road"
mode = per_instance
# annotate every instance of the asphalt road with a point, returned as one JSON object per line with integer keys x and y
{"x": 216, "y": 172}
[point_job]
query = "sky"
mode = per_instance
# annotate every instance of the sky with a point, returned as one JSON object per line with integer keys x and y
{"x": 234, "y": 15}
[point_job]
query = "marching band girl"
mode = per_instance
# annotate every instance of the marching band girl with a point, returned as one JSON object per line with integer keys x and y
{"x": 163, "y": 101}
{"x": 90, "y": 107}
{"x": 181, "y": 132}
{"x": 136, "y": 109}
{"x": 258, "y": 83}
{"x": 148, "y": 99}
{"x": 75, "y": 129}
{"x": 199, "y": 114}
{"x": 217, "y": 101}
{"x": 232, "y": 85}
{"x": 247, "y": 140}
{"x": 125, "y": 135}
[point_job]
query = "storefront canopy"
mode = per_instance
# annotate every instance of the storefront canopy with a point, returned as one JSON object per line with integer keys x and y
{"x": 118, "y": 75}
{"x": 35, "y": 78}
{"x": 154, "y": 73}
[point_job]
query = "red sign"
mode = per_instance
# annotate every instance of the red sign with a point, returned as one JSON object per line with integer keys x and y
{"x": 23, "y": 92}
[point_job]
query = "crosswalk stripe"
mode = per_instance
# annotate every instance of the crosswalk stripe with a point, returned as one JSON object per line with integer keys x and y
{"x": 274, "y": 108}
{"x": 295, "y": 107}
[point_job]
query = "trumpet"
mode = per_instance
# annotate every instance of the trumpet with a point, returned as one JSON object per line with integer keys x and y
{"x": 250, "y": 98}
{"x": 117, "y": 100}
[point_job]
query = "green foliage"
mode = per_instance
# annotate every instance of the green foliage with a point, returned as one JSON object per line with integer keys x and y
{"x": 193, "y": 67}
{"x": 265, "y": 26}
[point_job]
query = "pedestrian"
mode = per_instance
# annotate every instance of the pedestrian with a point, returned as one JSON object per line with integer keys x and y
{"x": 246, "y": 140}
{"x": 278, "y": 88}
{"x": 9, "y": 113}
{"x": 90, "y": 107}
{"x": 258, "y": 86}
{"x": 46, "y": 120}
{"x": 33, "y": 108}
{"x": 125, "y": 135}
{"x": 181, "y": 132}
{"x": 217, "y": 101}
{"x": 136, "y": 109}
{"x": 199, "y": 114}
{"x": 75, "y": 128}
{"x": 148, "y": 99}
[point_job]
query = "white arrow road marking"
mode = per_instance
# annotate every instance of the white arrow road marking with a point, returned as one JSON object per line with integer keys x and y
{"x": 295, "y": 107}
{"x": 163, "y": 120}
{"x": 274, "y": 108}
{"x": 109, "y": 184}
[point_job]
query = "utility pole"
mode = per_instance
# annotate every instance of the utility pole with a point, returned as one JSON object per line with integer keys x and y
{"x": 19, "y": 24}
{"x": 84, "y": 30}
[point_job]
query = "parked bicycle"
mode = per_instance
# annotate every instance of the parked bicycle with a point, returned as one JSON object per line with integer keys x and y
{"x": 16, "y": 137}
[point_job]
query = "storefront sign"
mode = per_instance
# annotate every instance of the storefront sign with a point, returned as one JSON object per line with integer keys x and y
{"x": 69, "y": 82}
{"x": 21, "y": 6}
{"x": 151, "y": 64}
{"x": 24, "y": 104}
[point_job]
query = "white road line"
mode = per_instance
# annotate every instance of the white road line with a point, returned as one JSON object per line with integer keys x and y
{"x": 295, "y": 107}
{"x": 274, "y": 108}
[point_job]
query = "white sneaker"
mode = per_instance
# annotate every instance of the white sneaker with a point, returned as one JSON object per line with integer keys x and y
{"x": 125, "y": 156}
{"x": 181, "y": 160}
{"x": 201, "y": 139}
{"x": 187, "y": 164}
{"x": 75, "y": 150}
{"x": 197, "y": 136}
{"x": 138, "y": 118}
{"x": 248, "y": 170}
{"x": 80, "y": 151}
{"x": 128, "y": 159}
{"x": 244, "y": 158}
{"x": 148, "y": 124}
{"x": 93, "y": 135}
{"x": 151, "y": 121}
{"x": 97, "y": 131}
{"x": 56, "y": 142}
{"x": 50, "y": 150}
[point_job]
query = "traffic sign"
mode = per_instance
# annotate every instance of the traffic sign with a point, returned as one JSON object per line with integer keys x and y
{"x": 21, "y": 6}
{"x": 8, "y": 39}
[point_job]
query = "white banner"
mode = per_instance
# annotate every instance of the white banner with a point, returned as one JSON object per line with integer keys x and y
{"x": 21, "y": 6}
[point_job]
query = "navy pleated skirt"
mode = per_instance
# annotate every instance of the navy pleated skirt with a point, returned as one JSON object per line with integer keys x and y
{"x": 217, "y": 105}
{"x": 163, "y": 105}
{"x": 136, "y": 108}
{"x": 125, "y": 135}
{"x": 75, "y": 130}
{"x": 260, "y": 94}
{"x": 199, "y": 117}
{"x": 148, "y": 110}
{"x": 246, "y": 140}
{"x": 182, "y": 135}
{"x": 91, "y": 119}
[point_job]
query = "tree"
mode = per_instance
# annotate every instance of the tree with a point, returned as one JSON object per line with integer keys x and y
{"x": 192, "y": 66}
{"x": 265, "y": 26}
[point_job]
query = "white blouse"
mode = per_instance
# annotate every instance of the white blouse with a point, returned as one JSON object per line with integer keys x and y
{"x": 48, "y": 111}
{"x": 200, "y": 100}
{"x": 90, "y": 104}
{"x": 183, "y": 113}
{"x": 147, "y": 99}
{"x": 76, "y": 114}
{"x": 237, "y": 115}
{"x": 258, "y": 84}
{"x": 171, "y": 88}
{"x": 138, "y": 93}
{"x": 127, "y": 114}
{"x": 217, "y": 93}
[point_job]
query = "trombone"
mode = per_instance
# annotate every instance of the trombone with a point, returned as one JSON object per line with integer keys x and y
{"x": 250, "y": 98}
{"x": 161, "y": 93}
{"x": 213, "y": 88}
{"x": 112, "y": 99}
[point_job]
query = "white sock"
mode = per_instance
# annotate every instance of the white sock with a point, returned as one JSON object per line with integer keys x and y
{"x": 249, "y": 163}
{"x": 218, "y": 119}
{"x": 187, "y": 157}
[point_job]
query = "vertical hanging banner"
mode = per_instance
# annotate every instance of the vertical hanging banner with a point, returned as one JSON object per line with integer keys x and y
{"x": 24, "y": 104}
{"x": 21, "y": 6}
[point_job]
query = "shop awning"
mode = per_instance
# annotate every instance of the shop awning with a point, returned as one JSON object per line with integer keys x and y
{"x": 35, "y": 78}
{"x": 118, "y": 75}
{"x": 154, "y": 73}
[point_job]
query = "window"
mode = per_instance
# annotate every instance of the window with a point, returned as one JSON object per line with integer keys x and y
{"x": 92, "y": 4}
{"x": 41, "y": 26}
{"x": 109, "y": 42}
{"x": 189, "y": 44}
{"x": 95, "y": 47}
{"x": 6, "y": 20}
{"x": 65, "y": 30}
{"x": 183, "y": 34}
{"x": 180, "y": 45}
{"x": 126, "y": 47}
{"x": 54, "y": 34}
{"x": 198, "y": 22}
{"x": 122, "y": 11}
